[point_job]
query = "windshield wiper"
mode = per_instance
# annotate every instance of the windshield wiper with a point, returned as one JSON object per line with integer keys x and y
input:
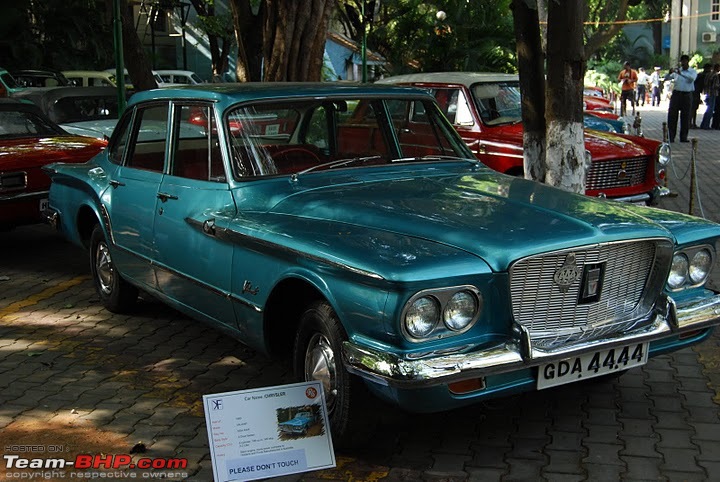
{"x": 438, "y": 158}
{"x": 339, "y": 162}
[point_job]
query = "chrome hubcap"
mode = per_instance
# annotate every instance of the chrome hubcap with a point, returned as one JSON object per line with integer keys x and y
{"x": 320, "y": 366}
{"x": 104, "y": 268}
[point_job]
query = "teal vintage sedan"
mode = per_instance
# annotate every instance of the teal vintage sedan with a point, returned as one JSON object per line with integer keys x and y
{"x": 315, "y": 223}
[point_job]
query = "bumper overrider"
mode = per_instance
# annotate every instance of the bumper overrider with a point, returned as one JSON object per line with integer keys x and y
{"x": 666, "y": 320}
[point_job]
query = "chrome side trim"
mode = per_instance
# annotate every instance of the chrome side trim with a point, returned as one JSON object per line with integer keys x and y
{"x": 263, "y": 246}
{"x": 23, "y": 197}
{"x": 667, "y": 319}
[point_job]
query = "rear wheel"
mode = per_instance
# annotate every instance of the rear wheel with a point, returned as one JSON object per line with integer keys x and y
{"x": 116, "y": 294}
{"x": 318, "y": 357}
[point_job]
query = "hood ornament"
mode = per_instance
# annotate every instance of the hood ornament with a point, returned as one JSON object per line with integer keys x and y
{"x": 567, "y": 274}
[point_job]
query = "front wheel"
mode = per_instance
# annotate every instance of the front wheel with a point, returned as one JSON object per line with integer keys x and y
{"x": 317, "y": 356}
{"x": 116, "y": 294}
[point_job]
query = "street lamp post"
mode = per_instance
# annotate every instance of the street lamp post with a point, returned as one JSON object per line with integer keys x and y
{"x": 119, "y": 60}
{"x": 363, "y": 47}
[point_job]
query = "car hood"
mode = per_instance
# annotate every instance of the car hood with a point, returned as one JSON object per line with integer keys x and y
{"x": 602, "y": 145}
{"x": 31, "y": 152}
{"x": 498, "y": 218}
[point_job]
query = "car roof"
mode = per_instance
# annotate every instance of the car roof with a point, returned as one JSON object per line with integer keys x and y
{"x": 87, "y": 73}
{"x": 462, "y": 78}
{"x": 174, "y": 72}
{"x": 238, "y": 92}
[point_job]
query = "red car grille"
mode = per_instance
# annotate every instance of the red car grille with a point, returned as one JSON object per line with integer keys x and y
{"x": 617, "y": 173}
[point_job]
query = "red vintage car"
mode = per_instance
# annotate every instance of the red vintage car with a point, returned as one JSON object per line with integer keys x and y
{"x": 28, "y": 141}
{"x": 485, "y": 110}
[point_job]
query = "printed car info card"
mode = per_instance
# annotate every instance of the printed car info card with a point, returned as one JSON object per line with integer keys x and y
{"x": 268, "y": 432}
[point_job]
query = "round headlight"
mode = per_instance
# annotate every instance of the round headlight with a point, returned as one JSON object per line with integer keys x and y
{"x": 678, "y": 271}
{"x": 700, "y": 266}
{"x": 422, "y": 316}
{"x": 664, "y": 154}
{"x": 460, "y": 310}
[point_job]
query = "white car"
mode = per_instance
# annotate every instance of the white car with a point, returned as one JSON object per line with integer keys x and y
{"x": 179, "y": 77}
{"x": 90, "y": 78}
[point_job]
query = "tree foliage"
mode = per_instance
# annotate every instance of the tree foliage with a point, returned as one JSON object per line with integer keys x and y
{"x": 476, "y": 36}
{"x": 59, "y": 34}
{"x": 220, "y": 31}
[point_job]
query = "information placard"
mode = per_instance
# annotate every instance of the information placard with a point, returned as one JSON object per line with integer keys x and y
{"x": 268, "y": 432}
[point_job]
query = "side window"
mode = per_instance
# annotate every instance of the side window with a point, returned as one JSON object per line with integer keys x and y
{"x": 196, "y": 153}
{"x": 147, "y": 148}
{"x": 317, "y": 133}
{"x": 463, "y": 116}
{"x": 120, "y": 139}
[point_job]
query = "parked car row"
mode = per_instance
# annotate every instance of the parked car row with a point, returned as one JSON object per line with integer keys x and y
{"x": 35, "y": 78}
{"x": 352, "y": 231}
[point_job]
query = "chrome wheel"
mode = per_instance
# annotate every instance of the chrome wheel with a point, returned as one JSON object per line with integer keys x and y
{"x": 104, "y": 268}
{"x": 320, "y": 366}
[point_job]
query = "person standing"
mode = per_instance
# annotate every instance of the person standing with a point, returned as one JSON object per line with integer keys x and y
{"x": 627, "y": 78}
{"x": 681, "y": 99}
{"x": 655, "y": 87}
{"x": 712, "y": 89}
{"x": 699, "y": 88}
{"x": 642, "y": 81}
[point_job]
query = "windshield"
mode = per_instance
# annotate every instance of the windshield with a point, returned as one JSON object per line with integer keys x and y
{"x": 319, "y": 134}
{"x": 9, "y": 81}
{"x": 498, "y": 102}
{"x": 14, "y": 124}
{"x": 80, "y": 109}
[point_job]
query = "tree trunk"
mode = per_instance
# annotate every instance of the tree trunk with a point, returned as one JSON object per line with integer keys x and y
{"x": 294, "y": 39}
{"x": 566, "y": 161}
{"x": 249, "y": 38}
{"x": 532, "y": 86}
{"x": 136, "y": 62}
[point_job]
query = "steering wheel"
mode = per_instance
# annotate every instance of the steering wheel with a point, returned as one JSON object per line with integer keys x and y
{"x": 291, "y": 157}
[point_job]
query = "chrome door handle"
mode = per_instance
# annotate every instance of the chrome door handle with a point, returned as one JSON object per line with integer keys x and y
{"x": 164, "y": 196}
{"x": 115, "y": 183}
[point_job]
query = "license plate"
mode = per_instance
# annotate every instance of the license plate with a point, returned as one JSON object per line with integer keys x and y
{"x": 43, "y": 205}
{"x": 593, "y": 364}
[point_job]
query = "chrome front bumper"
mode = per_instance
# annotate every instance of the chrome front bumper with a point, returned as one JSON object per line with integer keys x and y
{"x": 435, "y": 369}
{"x": 650, "y": 198}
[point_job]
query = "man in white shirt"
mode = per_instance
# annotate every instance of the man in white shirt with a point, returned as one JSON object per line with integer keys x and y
{"x": 655, "y": 86}
{"x": 681, "y": 99}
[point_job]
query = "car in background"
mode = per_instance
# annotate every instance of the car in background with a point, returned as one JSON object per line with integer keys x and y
{"x": 485, "y": 109}
{"x": 39, "y": 78}
{"x": 8, "y": 85}
{"x": 179, "y": 77}
{"x": 28, "y": 141}
{"x": 90, "y": 78}
{"x": 84, "y": 111}
{"x": 350, "y": 231}
{"x": 595, "y": 103}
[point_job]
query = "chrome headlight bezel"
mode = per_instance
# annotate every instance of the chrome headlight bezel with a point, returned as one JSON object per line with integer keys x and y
{"x": 664, "y": 154}
{"x": 692, "y": 256}
{"x": 443, "y": 297}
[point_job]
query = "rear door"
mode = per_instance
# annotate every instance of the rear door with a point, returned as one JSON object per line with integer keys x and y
{"x": 141, "y": 151}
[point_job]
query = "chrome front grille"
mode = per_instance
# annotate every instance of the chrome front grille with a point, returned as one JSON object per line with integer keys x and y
{"x": 632, "y": 276}
{"x": 617, "y": 173}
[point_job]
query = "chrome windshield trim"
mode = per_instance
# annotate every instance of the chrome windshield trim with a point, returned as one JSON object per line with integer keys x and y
{"x": 668, "y": 319}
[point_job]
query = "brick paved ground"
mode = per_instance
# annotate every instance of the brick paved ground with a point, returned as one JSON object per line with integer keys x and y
{"x": 75, "y": 375}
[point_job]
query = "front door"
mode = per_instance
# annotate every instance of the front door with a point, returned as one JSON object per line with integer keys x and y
{"x": 194, "y": 266}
